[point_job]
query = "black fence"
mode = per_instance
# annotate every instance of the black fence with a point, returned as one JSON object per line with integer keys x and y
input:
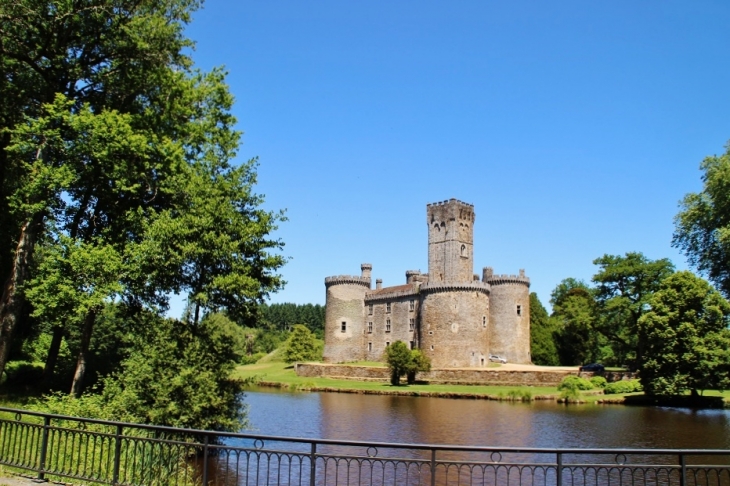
{"x": 53, "y": 447}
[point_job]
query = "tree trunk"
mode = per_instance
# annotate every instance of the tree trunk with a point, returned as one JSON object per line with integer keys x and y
{"x": 12, "y": 300}
{"x": 52, "y": 358}
{"x": 78, "y": 382}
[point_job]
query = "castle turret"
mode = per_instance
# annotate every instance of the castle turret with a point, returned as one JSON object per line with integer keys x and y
{"x": 450, "y": 241}
{"x": 344, "y": 316}
{"x": 509, "y": 316}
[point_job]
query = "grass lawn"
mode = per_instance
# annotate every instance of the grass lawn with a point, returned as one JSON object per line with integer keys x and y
{"x": 283, "y": 373}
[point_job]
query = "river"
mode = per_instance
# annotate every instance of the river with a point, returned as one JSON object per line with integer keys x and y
{"x": 482, "y": 422}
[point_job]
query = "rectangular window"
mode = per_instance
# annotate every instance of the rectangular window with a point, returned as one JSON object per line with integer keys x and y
{"x": 387, "y": 343}
{"x": 387, "y": 325}
{"x": 370, "y": 346}
{"x": 344, "y": 326}
{"x": 370, "y": 327}
{"x": 411, "y": 324}
{"x": 411, "y": 344}
{"x": 387, "y": 307}
{"x": 412, "y": 305}
{"x": 519, "y": 310}
{"x": 484, "y": 321}
{"x": 370, "y": 309}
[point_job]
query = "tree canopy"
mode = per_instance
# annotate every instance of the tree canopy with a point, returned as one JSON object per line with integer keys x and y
{"x": 702, "y": 227}
{"x": 686, "y": 336}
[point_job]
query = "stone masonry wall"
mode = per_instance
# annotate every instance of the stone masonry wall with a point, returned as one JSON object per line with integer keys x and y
{"x": 452, "y": 332}
{"x": 399, "y": 316}
{"x": 345, "y": 303}
{"x": 509, "y": 334}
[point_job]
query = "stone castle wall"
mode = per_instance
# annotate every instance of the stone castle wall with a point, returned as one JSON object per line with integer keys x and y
{"x": 454, "y": 324}
{"x": 450, "y": 241}
{"x": 509, "y": 315}
{"x": 345, "y": 296}
{"x": 403, "y": 308}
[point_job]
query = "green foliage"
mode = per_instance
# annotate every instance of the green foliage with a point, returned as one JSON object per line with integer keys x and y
{"x": 543, "y": 333}
{"x": 687, "y": 342}
{"x": 520, "y": 394}
{"x": 702, "y": 227}
{"x": 399, "y": 360}
{"x": 282, "y": 316}
{"x": 251, "y": 358}
{"x": 403, "y": 361}
{"x": 23, "y": 373}
{"x": 575, "y": 313}
{"x": 301, "y": 346}
{"x": 575, "y": 382}
{"x": 598, "y": 382}
{"x": 624, "y": 286}
{"x": 623, "y": 386}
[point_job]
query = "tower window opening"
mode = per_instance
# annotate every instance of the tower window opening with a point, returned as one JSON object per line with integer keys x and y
{"x": 387, "y": 325}
{"x": 484, "y": 321}
{"x": 370, "y": 327}
{"x": 370, "y": 309}
{"x": 411, "y": 324}
{"x": 387, "y": 307}
{"x": 411, "y": 344}
{"x": 344, "y": 326}
{"x": 370, "y": 346}
{"x": 387, "y": 343}
{"x": 412, "y": 305}
{"x": 432, "y": 347}
{"x": 463, "y": 250}
{"x": 519, "y": 310}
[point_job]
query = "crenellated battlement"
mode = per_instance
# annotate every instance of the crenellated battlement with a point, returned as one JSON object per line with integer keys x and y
{"x": 508, "y": 279}
{"x": 346, "y": 279}
{"x": 474, "y": 286}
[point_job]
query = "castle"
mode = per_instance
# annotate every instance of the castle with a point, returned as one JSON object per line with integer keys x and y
{"x": 457, "y": 319}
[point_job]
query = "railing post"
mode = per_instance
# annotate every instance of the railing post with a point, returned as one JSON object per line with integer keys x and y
{"x": 560, "y": 469}
{"x": 205, "y": 460}
{"x": 44, "y": 448}
{"x": 683, "y": 472}
{"x": 117, "y": 454}
{"x": 312, "y": 463}
{"x": 433, "y": 467}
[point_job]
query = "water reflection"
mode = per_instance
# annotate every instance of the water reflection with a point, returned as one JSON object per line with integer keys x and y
{"x": 484, "y": 423}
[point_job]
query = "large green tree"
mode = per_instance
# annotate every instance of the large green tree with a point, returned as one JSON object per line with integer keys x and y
{"x": 115, "y": 68}
{"x": 686, "y": 338}
{"x": 702, "y": 227}
{"x": 624, "y": 286}
{"x": 301, "y": 346}
{"x": 543, "y": 333}
{"x": 575, "y": 314}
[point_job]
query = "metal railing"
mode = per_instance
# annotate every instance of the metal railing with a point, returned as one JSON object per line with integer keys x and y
{"x": 97, "y": 451}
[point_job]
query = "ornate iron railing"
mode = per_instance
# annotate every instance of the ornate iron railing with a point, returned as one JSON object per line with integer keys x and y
{"x": 97, "y": 451}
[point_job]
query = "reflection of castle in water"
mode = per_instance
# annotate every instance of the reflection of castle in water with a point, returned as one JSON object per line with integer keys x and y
{"x": 455, "y": 318}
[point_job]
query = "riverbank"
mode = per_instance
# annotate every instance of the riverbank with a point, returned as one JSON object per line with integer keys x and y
{"x": 283, "y": 376}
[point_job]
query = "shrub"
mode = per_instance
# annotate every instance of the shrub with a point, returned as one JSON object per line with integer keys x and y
{"x": 520, "y": 394}
{"x": 251, "y": 358}
{"x": 623, "y": 386}
{"x": 575, "y": 383}
{"x": 598, "y": 382}
{"x": 301, "y": 346}
{"x": 23, "y": 373}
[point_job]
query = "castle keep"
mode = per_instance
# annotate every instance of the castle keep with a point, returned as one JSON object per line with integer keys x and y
{"x": 456, "y": 317}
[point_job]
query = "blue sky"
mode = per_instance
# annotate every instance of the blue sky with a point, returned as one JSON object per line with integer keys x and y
{"x": 574, "y": 127}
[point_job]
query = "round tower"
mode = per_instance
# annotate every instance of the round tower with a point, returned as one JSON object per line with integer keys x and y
{"x": 454, "y": 330}
{"x": 345, "y": 316}
{"x": 509, "y": 316}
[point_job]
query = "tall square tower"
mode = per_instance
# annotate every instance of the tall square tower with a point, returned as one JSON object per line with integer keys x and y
{"x": 450, "y": 241}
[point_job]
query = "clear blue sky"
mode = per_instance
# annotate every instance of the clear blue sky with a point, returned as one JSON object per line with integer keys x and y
{"x": 574, "y": 127}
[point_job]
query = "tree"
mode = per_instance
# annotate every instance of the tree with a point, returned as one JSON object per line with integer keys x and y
{"x": 543, "y": 332}
{"x": 301, "y": 346}
{"x": 624, "y": 286}
{"x": 687, "y": 341}
{"x": 117, "y": 69}
{"x": 398, "y": 357}
{"x": 419, "y": 363}
{"x": 575, "y": 314}
{"x": 702, "y": 227}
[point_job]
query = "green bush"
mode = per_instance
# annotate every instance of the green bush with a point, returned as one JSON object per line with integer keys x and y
{"x": 623, "y": 386}
{"x": 598, "y": 382}
{"x": 23, "y": 373}
{"x": 251, "y": 358}
{"x": 520, "y": 394}
{"x": 573, "y": 382}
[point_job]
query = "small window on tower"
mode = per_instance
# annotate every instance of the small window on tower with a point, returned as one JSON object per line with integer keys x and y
{"x": 344, "y": 326}
{"x": 370, "y": 327}
{"x": 411, "y": 345}
{"x": 484, "y": 321}
{"x": 411, "y": 324}
{"x": 370, "y": 346}
{"x": 412, "y": 305}
{"x": 387, "y": 343}
{"x": 519, "y": 310}
{"x": 387, "y": 325}
{"x": 387, "y": 307}
{"x": 370, "y": 309}
{"x": 463, "y": 250}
